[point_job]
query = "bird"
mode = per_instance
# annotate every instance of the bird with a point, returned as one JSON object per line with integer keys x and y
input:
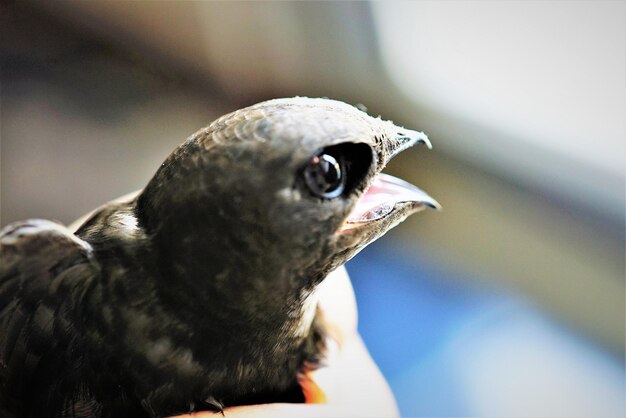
{"x": 199, "y": 292}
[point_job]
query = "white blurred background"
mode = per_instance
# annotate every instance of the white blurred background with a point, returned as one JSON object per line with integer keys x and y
{"x": 525, "y": 103}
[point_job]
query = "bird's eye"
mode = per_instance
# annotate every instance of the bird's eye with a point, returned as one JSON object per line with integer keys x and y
{"x": 325, "y": 175}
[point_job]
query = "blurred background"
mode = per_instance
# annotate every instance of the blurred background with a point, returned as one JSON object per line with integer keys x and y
{"x": 510, "y": 302}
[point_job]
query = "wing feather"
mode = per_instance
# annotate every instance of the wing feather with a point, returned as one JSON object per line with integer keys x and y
{"x": 44, "y": 271}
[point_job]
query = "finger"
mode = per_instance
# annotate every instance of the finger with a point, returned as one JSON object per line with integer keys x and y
{"x": 287, "y": 411}
{"x": 338, "y": 305}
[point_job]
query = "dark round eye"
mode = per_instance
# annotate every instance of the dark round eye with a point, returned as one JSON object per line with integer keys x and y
{"x": 325, "y": 176}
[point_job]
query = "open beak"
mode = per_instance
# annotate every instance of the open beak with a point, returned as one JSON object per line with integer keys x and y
{"x": 386, "y": 194}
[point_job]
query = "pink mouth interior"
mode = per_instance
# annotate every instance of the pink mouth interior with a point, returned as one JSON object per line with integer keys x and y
{"x": 380, "y": 199}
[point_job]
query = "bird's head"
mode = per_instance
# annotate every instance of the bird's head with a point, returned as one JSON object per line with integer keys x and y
{"x": 282, "y": 192}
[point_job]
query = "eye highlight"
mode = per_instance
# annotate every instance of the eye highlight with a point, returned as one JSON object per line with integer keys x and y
{"x": 325, "y": 175}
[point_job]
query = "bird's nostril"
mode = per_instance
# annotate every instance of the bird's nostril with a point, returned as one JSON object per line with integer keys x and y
{"x": 401, "y": 136}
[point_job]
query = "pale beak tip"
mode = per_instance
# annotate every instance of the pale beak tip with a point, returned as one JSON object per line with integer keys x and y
{"x": 414, "y": 137}
{"x": 423, "y": 139}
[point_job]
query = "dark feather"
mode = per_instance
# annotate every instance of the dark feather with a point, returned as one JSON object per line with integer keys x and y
{"x": 199, "y": 293}
{"x": 46, "y": 272}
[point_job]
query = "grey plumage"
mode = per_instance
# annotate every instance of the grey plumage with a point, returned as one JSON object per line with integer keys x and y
{"x": 192, "y": 294}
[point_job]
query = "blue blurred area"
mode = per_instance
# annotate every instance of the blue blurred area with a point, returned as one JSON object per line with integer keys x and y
{"x": 450, "y": 347}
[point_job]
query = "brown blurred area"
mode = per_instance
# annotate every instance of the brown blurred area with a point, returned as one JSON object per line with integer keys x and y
{"x": 95, "y": 95}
